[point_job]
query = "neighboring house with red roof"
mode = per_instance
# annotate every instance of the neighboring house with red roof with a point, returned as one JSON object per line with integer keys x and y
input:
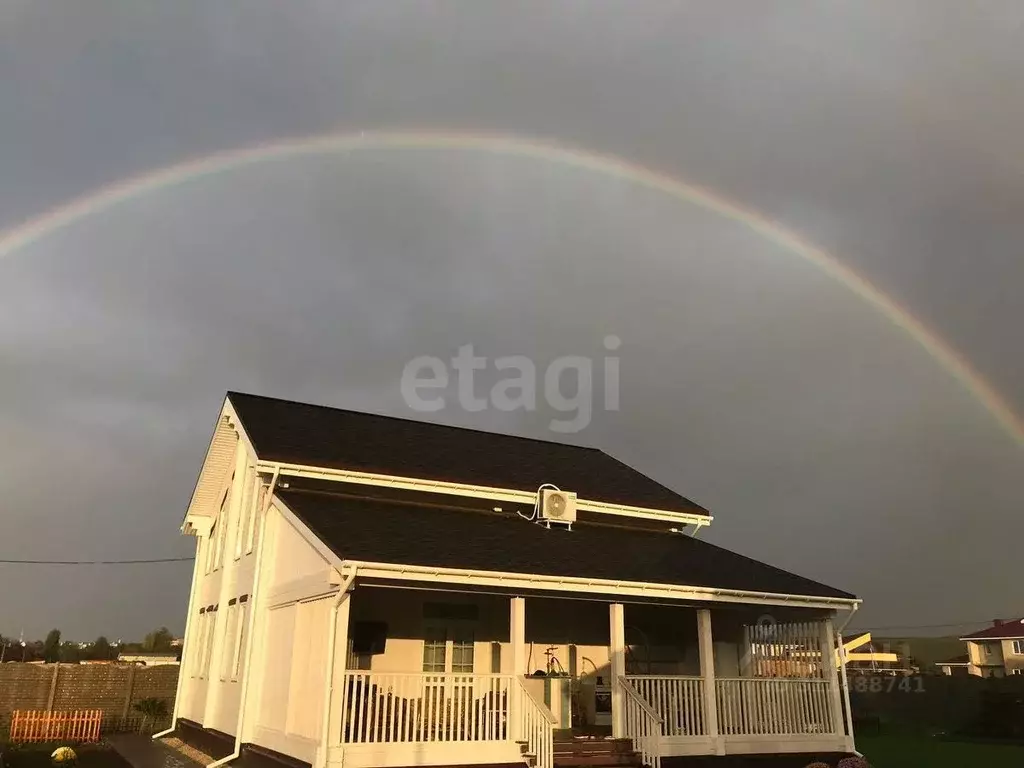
{"x": 996, "y": 651}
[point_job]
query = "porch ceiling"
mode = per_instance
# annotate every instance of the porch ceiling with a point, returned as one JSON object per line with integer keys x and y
{"x": 379, "y": 531}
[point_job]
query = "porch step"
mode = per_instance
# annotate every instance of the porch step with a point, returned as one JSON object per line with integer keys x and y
{"x": 591, "y": 753}
{"x": 595, "y": 746}
{"x": 593, "y": 760}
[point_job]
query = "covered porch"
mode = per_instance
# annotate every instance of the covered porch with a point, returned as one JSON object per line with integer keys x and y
{"x": 446, "y": 676}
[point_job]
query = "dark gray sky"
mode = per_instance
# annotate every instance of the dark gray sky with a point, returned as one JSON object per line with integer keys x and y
{"x": 821, "y": 436}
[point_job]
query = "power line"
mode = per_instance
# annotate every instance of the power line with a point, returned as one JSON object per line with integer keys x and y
{"x": 99, "y": 562}
{"x": 925, "y": 626}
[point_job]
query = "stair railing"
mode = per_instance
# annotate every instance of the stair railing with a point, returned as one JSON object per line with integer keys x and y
{"x": 536, "y": 726}
{"x": 643, "y": 724}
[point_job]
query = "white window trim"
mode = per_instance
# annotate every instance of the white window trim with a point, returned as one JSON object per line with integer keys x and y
{"x": 241, "y": 634}
{"x": 228, "y": 648}
{"x": 261, "y": 491}
{"x": 244, "y": 523}
{"x": 450, "y": 628}
{"x": 207, "y": 648}
{"x": 1018, "y": 647}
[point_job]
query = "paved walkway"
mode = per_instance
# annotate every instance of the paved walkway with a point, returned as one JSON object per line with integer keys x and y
{"x": 143, "y": 752}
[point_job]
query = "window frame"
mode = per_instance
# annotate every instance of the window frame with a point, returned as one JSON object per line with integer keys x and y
{"x": 207, "y": 649}
{"x": 243, "y": 636}
{"x": 228, "y": 649}
{"x": 246, "y": 513}
{"x": 454, "y": 639}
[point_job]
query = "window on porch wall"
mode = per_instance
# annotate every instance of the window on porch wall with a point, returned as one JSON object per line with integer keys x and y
{"x": 438, "y": 649}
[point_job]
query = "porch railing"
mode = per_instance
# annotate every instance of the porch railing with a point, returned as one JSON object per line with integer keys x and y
{"x": 773, "y": 706}
{"x": 679, "y": 701}
{"x": 536, "y": 726}
{"x": 384, "y": 707}
{"x": 643, "y": 724}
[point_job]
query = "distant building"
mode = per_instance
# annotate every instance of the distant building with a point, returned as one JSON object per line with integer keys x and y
{"x": 996, "y": 651}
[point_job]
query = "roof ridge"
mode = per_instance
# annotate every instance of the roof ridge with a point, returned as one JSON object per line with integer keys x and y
{"x": 234, "y": 393}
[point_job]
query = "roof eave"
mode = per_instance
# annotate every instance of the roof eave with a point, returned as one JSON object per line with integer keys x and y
{"x": 578, "y": 584}
{"x": 509, "y": 495}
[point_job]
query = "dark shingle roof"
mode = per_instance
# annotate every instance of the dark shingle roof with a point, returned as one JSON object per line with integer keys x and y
{"x": 297, "y": 433}
{"x": 376, "y": 531}
{"x": 962, "y": 659}
{"x": 1007, "y": 630}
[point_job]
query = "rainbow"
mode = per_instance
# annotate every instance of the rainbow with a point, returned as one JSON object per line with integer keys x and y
{"x": 104, "y": 198}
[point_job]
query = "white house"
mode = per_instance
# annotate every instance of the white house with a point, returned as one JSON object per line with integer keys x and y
{"x": 373, "y": 591}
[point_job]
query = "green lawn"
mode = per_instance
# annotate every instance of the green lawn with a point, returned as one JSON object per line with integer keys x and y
{"x": 910, "y": 752}
{"x": 38, "y": 756}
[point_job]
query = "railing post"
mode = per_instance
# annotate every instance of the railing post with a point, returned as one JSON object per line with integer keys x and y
{"x": 707, "y": 672}
{"x": 617, "y": 656}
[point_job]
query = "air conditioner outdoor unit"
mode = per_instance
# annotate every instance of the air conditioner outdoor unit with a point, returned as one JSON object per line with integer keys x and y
{"x": 557, "y": 507}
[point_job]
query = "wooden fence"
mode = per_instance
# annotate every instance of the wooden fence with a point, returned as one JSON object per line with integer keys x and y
{"x": 36, "y": 726}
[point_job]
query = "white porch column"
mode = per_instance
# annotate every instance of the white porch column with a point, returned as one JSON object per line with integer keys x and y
{"x": 831, "y": 674}
{"x": 517, "y": 635}
{"x": 617, "y": 657}
{"x": 707, "y": 672}
{"x": 339, "y": 690}
{"x": 517, "y": 644}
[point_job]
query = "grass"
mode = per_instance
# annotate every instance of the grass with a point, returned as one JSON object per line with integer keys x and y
{"x": 38, "y": 756}
{"x": 915, "y": 752}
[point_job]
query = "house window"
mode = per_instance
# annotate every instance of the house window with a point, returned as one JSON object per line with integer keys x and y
{"x": 211, "y": 546}
{"x": 448, "y": 637}
{"x": 232, "y": 636}
{"x": 222, "y": 526}
{"x": 462, "y": 654}
{"x": 196, "y": 659}
{"x": 242, "y": 524}
{"x": 1017, "y": 671}
{"x": 252, "y": 538}
{"x": 435, "y": 650}
{"x": 207, "y": 648}
{"x": 241, "y": 634}
{"x": 1018, "y": 647}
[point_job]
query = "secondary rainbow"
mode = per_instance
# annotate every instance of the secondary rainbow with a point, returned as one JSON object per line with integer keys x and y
{"x": 107, "y": 197}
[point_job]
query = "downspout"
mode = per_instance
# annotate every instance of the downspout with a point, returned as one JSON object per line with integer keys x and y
{"x": 184, "y": 647}
{"x": 332, "y": 636}
{"x": 240, "y": 724}
{"x": 843, "y": 677}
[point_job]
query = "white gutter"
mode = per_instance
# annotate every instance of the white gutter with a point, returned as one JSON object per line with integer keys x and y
{"x": 253, "y": 609}
{"x": 579, "y": 584}
{"x": 332, "y": 635}
{"x": 510, "y": 495}
{"x": 182, "y": 672}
